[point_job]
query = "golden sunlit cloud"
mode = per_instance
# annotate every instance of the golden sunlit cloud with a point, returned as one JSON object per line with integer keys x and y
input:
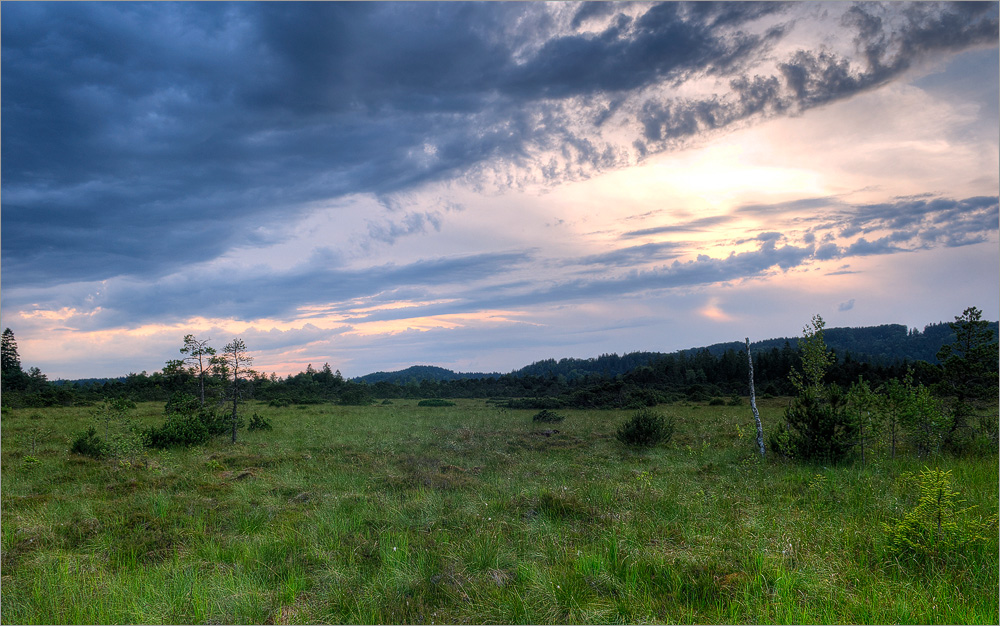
{"x": 713, "y": 312}
{"x": 60, "y": 315}
{"x": 446, "y": 321}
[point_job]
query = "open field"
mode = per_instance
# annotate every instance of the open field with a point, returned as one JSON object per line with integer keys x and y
{"x": 401, "y": 514}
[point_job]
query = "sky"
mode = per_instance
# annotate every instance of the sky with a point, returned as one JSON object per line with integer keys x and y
{"x": 480, "y": 186}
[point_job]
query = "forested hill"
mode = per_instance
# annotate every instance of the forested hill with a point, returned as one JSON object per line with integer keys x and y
{"x": 884, "y": 345}
{"x": 417, "y": 373}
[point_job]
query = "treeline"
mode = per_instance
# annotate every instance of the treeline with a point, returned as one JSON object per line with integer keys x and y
{"x": 887, "y": 344}
{"x": 829, "y": 421}
{"x": 609, "y": 381}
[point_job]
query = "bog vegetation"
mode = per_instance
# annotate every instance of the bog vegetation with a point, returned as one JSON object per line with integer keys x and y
{"x": 239, "y": 498}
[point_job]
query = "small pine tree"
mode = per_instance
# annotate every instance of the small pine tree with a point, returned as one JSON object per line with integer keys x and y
{"x": 937, "y": 530}
{"x": 820, "y": 427}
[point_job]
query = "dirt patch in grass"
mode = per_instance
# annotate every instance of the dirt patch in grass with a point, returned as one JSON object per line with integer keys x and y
{"x": 544, "y": 439}
{"x": 414, "y": 471}
{"x": 15, "y": 551}
{"x": 28, "y": 502}
{"x": 78, "y": 533}
{"x": 139, "y": 538}
{"x": 554, "y": 505}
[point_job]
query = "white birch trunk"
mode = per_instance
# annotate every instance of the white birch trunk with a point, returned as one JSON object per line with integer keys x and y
{"x": 753, "y": 404}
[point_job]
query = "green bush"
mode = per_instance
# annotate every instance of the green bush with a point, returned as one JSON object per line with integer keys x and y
{"x": 937, "y": 530}
{"x": 179, "y": 430}
{"x": 180, "y": 402}
{"x": 435, "y": 402}
{"x": 219, "y": 423}
{"x": 353, "y": 394}
{"x": 546, "y": 415}
{"x": 717, "y": 402}
{"x": 820, "y": 427}
{"x": 259, "y": 423}
{"x": 88, "y": 443}
{"x": 646, "y": 428}
{"x": 188, "y": 424}
{"x": 535, "y": 403}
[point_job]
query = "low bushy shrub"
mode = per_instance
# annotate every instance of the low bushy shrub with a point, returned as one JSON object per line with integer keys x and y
{"x": 259, "y": 423}
{"x": 546, "y": 415}
{"x": 188, "y": 424}
{"x": 646, "y": 428}
{"x": 535, "y": 403}
{"x": 179, "y": 430}
{"x": 820, "y": 428}
{"x": 89, "y": 443}
{"x": 435, "y": 402}
{"x": 218, "y": 423}
{"x": 938, "y": 530}
{"x": 353, "y": 394}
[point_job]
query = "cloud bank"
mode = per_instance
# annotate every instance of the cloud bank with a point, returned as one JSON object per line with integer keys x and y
{"x": 159, "y": 176}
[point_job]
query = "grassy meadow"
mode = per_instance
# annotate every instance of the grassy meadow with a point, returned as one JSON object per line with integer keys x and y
{"x": 470, "y": 514}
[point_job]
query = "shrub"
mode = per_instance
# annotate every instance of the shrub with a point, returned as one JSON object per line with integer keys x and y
{"x": 435, "y": 402}
{"x": 356, "y": 395}
{"x": 937, "y": 530}
{"x": 820, "y": 428}
{"x": 717, "y": 402}
{"x": 88, "y": 443}
{"x": 188, "y": 424}
{"x": 535, "y": 403}
{"x": 646, "y": 428}
{"x": 218, "y": 423}
{"x": 180, "y": 402}
{"x": 179, "y": 430}
{"x": 259, "y": 423}
{"x": 546, "y": 415}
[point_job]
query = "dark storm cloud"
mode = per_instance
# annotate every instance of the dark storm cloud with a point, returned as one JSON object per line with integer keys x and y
{"x": 216, "y": 294}
{"x": 889, "y": 37}
{"x": 927, "y": 219}
{"x": 819, "y": 77}
{"x": 667, "y": 42}
{"x": 131, "y": 149}
{"x": 135, "y": 151}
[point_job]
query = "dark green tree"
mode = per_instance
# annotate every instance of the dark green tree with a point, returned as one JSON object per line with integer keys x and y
{"x": 969, "y": 370}
{"x": 13, "y": 377}
{"x": 820, "y": 427}
{"x": 8, "y": 353}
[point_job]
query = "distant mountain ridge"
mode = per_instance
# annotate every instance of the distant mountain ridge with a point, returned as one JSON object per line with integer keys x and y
{"x": 417, "y": 373}
{"x": 884, "y": 344}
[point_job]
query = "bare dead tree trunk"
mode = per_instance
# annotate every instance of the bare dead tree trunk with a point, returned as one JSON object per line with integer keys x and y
{"x": 753, "y": 404}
